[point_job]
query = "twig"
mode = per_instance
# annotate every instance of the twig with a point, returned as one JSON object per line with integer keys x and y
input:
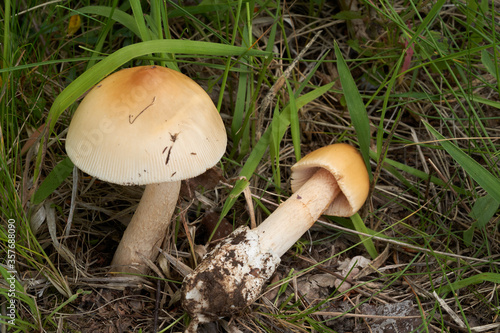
{"x": 343, "y": 314}
{"x": 73, "y": 201}
{"x": 251, "y": 211}
{"x": 157, "y": 306}
{"x": 447, "y": 308}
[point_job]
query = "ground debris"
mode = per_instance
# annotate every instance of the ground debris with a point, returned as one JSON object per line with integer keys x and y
{"x": 110, "y": 311}
{"x": 401, "y": 317}
{"x": 409, "y": 322}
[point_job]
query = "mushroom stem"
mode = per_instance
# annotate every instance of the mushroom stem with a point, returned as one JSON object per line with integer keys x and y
{"x": 298, "y": 213}
{"x": 232, "y": 275}
{"x": 147, "y": 229}
{"x": 331, "y": 180}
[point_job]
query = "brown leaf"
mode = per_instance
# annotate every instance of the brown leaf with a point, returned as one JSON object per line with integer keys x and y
{"x": 205, "y": 181}
{"x": 375, "y": 264}
{"x": 209, "y": 223}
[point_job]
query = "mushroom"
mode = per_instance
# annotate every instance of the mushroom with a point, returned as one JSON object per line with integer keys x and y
{"x": 146, "y": 125}
{"x": 332, "y": 180}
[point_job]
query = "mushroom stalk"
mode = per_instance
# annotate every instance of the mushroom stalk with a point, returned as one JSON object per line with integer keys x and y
{"x": 298, "y": 213}
{"x": 233, "y": 274}
{"x": 146, "y": 231}
{"x": 331, "y": 180}
{"x": 140, "y": 126}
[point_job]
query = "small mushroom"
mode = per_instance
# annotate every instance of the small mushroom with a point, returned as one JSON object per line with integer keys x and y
{"x": 152, "y": 126}
{"x": 332, "y": 180}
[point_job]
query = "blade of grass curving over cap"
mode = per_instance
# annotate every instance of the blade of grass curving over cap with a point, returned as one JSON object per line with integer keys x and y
{"x": 45, "y": 63}
{"x": 100, "y": 70}
{"x": 483, "y": 177}
{"x": 356, "y": 108}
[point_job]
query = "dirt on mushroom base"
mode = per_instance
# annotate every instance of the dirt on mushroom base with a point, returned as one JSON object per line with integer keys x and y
{"x": 229, "y": 277}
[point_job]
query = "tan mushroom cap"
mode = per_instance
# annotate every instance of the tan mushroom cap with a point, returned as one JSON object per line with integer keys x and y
{"x": 145, "y": 125}
{"x": 347, "y": 166}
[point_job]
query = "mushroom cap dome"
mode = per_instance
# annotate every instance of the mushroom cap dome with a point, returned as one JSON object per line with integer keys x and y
{"x": 144, "y": 125}
{"x": 347, "y": 166}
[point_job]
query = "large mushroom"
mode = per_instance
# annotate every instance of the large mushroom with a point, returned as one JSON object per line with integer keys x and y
{"x": 152, "y": 126}
{"x": 332, "y": 180}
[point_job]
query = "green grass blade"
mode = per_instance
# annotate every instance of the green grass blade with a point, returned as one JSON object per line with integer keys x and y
{"x": 489, "y": 64}
{"x": 60, "y": 172}
{"x": 95, "y": 74}
{"x": 426, "y": 22}
{"x": 117, "y": 15}
{"x": 144, "y": 32}
{"x": 45, "y": 63}
{"x": 6, "y": 33}
{"x": 201, "y": 9}
{"x": 260, "y": 148}
{"x": 484, "y": 209}
{"x": 240, "y": 106}
{"x": 284, "y": 120}
{"x": 360, "y": 226}
{"x": 476, "y": 279}
{"x": 311, "y": 74}
{"x": 194, "y": 19}
{"x": 20, "y": 295}
{"x": 482, "y": 212}
{"x": 72, "y": 298}
{"x": 356, "y": 108}
{"x": 415, "y": 172}
{"x": 482, "y": 176}
{"x": 103, "y": 36}
{"x": 481, "y": 100}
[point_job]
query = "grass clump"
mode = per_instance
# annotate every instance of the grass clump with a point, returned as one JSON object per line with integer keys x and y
{"x": 414, "y": 85}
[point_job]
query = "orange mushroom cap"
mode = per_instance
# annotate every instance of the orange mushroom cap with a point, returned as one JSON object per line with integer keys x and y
{"x": 144, "y": 125}
{"x": 347, "y": 166}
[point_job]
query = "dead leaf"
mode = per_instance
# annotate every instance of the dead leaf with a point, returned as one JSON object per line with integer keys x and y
{"x": 209, "y": 223}
{"x": 206, "y": 181}
{"x": 75, "y": 22}
{"x": 374, "y": 265}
